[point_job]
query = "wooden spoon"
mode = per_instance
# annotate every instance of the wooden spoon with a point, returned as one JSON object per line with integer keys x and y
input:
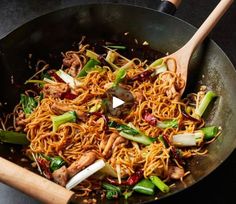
{"x": 32, "y": 184}
{"x": 183, "y": 55}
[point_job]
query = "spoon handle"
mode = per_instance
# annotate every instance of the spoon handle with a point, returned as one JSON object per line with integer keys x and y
{"x": 208, "y": 25}
{"x": 32, "y": 184}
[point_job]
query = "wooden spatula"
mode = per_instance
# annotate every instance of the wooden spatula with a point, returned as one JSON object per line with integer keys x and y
{"x": 183, "y": 55}
{"x": 32, "y": 184}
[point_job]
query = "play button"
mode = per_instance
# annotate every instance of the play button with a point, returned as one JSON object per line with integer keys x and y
{"x": 116, "y": 102}
{"x": 119, "y": 101}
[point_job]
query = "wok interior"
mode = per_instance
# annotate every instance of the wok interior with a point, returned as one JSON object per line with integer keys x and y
{"x": 58, "y": 31}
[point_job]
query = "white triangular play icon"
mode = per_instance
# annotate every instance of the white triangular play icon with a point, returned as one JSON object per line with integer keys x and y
{"x": 116, "y": 102}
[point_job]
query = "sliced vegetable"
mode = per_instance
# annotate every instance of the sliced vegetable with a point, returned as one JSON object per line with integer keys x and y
{"x": 145, "y": 186}
{"x": 96, "y": 107}
{"x": 92, "y": 55}
{"x": 205, "y": 102}
{"x": 28, "y": 103}
{"x": 127, "y": 194}
{"x": 159, "y": 70}
{"x": 128, "y": 130}
{"x": 119, "y": 47}
{"x": 108, "y": 170}
{"x": 61, "y": 119}
{"x": 13, "y": 137}
{"x": 143, "y": 139}
{"x": 111, "y": 191}
{"x": 87, "y": 172}
{"x": 89, "y": 66}
{"x": 156, "y": 63}
{"x": 111, "y": 56}
{"x": 188, "y": 139}
{"x": 72, "y": 82}
{"x": 35, "y": 81}
{"x": 120, "y": 75}
{"x": 55, "y": 162}
{"x": 159, "y": 184}
{"x": 111, "y": 187}
{"x": 112, "y": 194}
{"x": 168, "y": 124}
{"x": 210, "y": 132}
{"x": 131, "y": 133}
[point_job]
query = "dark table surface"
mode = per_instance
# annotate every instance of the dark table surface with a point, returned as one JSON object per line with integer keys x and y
{"x": 218, "y": 187}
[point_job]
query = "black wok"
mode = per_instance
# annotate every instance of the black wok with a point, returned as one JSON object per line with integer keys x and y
{"x": 56, "y": 32}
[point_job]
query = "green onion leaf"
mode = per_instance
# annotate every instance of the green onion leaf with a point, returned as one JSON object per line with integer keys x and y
{"x": 13, "y": 137}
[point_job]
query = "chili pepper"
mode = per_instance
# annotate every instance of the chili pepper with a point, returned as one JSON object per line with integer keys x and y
{"x": 173, "y": 150}
{"x": 132, "y": 180}
{"x": 44, "y": 165}
{"x": 135, "y": 178}
{"x": 145, "y": 186}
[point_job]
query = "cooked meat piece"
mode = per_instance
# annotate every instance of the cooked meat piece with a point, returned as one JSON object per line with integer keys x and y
{"x": 176, "y": 172}
{"x": 55, "y": 90}
{"x": 109, "y": 144}
{"x": 118, "y": 140}
{"x": 60, "y": 176}
{"x": 84, "y": 161}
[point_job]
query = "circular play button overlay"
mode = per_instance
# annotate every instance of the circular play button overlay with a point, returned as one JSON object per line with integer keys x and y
{"x": 119, "y": 101}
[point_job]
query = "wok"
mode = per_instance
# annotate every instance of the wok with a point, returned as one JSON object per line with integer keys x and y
{"x": 57, "y": 31}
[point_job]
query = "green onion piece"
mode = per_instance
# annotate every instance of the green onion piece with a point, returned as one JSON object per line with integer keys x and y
{"x": 127, "y": 194}
{"x": 111, "y": 187}
{"x": 119, "y": 47}
{"x": 56, "y": 163}
{"x": 210, "y": 132}
{"x": 120, "y": 75}
{"x": 160, "y": 184}
{"x": 128, "y": 130}
{"x": 96, "y": 107}
{"x": 141, "y": 138}
{"x": 108, "y": 170}
{"x": 71, "y": 81}
{"x": 128, "y": 65}
{"x": 28, "y": 103}
{"x": 61, "y": 119}
{"x": 156, "y": 63}
{"x": 111, "y": 56}
{"x": 35, "y": 81}
{"x": 112, "y": 194}
{"x": 159, "y": 70}
{"x": 13, "y": 137}
{"x": 188, "y": 139}
{"x": 205, "y": 102}
{"x": 92, "y": 55}
{"x": 168, "y": 124}
{"x": 88, "y": 67}
{"x": 145, "y": 186}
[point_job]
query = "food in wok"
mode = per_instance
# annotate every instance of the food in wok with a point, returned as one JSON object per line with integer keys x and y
{"x": 74, "y": 136}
